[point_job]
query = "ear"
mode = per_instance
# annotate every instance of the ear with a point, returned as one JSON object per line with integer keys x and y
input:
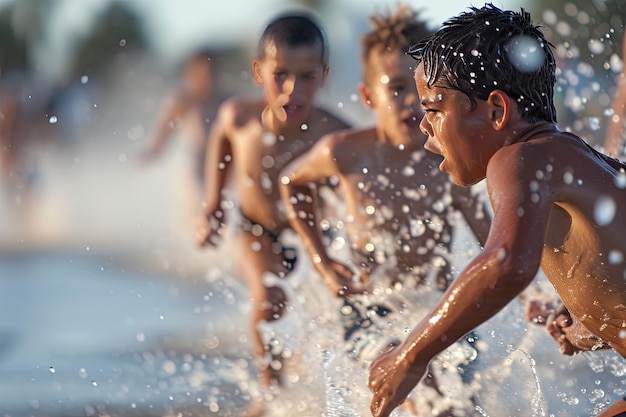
{"x": 500, "y": 108}
{"x": 256, "y": 71}
{"x": 325, "y": 74}
{"x": 366, "y": 95}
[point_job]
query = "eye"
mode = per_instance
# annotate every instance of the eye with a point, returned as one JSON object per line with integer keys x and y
{"x": 397, "y": 90}
{"x": 280, "y": 75}
{"x": 308, "y": 76}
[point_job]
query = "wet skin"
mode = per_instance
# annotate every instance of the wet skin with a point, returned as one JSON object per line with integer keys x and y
{"x": 254, "y": 140}
{"x": 377, "y": 169}
{"x": 543, "y": 190}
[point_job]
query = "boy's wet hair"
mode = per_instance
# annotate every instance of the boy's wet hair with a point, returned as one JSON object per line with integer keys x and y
{"x": 293, "y": 30}
{"x": 391, "y": 32}
{"x": 486, "y": 49}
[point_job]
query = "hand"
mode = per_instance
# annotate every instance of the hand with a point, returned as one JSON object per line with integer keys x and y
{"x": 340, "y": 279}
{"x": 570, "y": 334}
{"x": 391, "y": 380}
{"x": 208, "y": 230}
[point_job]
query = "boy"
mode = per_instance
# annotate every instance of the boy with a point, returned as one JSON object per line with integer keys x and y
{"x": 192, "y": 108}
{"x": 376, "y": 168}
{"x": 256, "y": 139}
{"x": 486, "y": 82}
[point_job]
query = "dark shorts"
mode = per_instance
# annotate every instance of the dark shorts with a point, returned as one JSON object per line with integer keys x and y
{"x": 289, "y": 254}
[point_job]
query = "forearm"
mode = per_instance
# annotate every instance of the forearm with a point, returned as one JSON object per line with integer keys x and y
{"x": 302, "y": 218}
{"x": 480, "y": 292}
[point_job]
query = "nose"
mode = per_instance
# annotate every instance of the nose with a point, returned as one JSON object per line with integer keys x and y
{"x": 289, "y": 85}
{"x": 410, "y": 101}
{"x": 425, "y": 127}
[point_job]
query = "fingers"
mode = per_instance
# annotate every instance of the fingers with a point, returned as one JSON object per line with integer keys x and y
{"x": 379, "y": 406}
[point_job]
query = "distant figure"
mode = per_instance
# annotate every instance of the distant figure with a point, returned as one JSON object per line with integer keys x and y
{"x": 26, "y": 122}
{"x": 486, "y": 82}
{"x": 614, "y": 141}
{"x": 191, "y": 110}
{"x": 254, "y": 140}
{"x": 400, "y": 209}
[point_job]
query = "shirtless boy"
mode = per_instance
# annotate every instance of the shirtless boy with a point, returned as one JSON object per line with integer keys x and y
{"x": 378, "y": 169}
{"x": 486, "y": 82}
{"x": 255, "y": 140}
{"x": 192, "y": 109}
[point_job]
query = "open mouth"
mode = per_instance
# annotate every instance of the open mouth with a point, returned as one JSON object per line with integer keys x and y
{"x": 413, "y": 122}
{"x": 292, "y": 109}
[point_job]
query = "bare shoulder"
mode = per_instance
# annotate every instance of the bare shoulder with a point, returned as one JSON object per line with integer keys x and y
{"x": 236, "y": 112}
{"x": 348, "y": 144}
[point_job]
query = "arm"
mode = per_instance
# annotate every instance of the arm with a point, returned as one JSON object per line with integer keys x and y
{"x": 218, "y": 165}
{"x": 161, "y": 132}
{"x": 311, "y": 169}
{"x": 496, "y": 276}
{"x": 613, "y": 140}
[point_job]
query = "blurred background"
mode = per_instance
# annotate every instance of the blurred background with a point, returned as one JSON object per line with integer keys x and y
{"x": 104, "y": 299}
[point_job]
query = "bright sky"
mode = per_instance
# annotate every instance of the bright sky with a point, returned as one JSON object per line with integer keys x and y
{"x": 179, "y": 25}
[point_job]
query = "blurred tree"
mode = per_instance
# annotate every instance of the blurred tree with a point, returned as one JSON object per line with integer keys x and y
{"x": 14, "y": 54}
{"x": 587, "y": 37}
{"x": 117, "y": 34}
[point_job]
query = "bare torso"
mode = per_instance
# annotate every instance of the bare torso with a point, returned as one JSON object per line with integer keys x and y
{"x": 398, "y": 205}
{"x": 259, "y": 156}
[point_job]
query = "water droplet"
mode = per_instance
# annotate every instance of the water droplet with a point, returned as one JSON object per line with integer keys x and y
{"x": 615, "y": 257}
{"x": 304, "y": 126}
{"x": 526, "y": 53}
{"x": 52, "y": 370}
{"x": 94, "y": 383}
{"x": 620, "y": 180}
{"x": 384, "y": 79}
{"x": 82, "y": 373}
{"x": 604, "y": 210}
{"x": 53, "y": 120}
{"x": 122, "y": 42}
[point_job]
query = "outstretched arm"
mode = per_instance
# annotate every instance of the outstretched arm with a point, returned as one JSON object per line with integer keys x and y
{"x": 169, "y": 113}
{"x": 298, "y": 179}
{"x": 218, "y": 163}
{"x": 496, "y": 276}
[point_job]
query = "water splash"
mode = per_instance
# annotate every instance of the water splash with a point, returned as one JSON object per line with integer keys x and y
{"x": 535, "y": 400}
{"x": 335, "y": 404}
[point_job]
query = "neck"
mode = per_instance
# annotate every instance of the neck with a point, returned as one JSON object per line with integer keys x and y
{"x": 527, "y": 131}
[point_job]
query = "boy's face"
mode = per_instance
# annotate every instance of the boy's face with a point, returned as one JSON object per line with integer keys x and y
{"x": 198, "y": 78}
{"x": 291, "y": 77}
{"x": 462, "y": 135}
{"x": 390, "y": 91}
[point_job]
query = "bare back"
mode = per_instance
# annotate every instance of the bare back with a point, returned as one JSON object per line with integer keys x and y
{"x": 581, "y": 192}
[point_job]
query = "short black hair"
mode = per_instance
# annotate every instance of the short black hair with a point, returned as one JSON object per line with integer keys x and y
{"x": 292, "y": 30}
{"x": 486, "y": 49}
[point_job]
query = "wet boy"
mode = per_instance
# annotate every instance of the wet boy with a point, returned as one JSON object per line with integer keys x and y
{"x": 400, "y": 209}
{"x": 255, "y": 139}
{"x": 486, "y": 82}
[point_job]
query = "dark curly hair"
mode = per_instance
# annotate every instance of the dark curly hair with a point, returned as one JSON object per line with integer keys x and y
{"x": 392, "y": 32}
{"x": 486, "y": 49}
